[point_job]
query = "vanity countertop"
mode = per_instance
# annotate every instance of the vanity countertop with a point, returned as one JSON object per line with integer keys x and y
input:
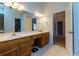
{"x": 9, "y": 36}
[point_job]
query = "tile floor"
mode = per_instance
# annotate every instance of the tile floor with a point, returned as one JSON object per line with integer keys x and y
{"x": 51, "y": 50}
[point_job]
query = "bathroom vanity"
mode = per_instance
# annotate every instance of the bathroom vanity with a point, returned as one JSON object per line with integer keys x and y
{"x": 21, "y": 43}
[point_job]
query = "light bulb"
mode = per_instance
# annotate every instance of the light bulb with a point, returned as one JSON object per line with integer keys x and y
{"x": 21, "y": 7}
{"x": 15, "y": 5}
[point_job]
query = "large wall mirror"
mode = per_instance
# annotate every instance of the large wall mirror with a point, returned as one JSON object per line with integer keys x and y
{"x": 13, "y": 20}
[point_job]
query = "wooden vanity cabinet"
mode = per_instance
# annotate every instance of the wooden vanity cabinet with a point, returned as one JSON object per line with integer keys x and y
{"x": 17, "y": 47}
{"x": 43, "y": 40}
{"x": 23, "y": 46}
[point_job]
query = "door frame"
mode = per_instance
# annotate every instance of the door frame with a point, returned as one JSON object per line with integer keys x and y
{"x": 55, "y": 24}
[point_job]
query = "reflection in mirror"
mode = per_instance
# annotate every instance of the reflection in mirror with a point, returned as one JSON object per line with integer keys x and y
{"x": 17, "y": 25}
{"x": 1, "y": 23}
{"x": 13, "y": 20}
{"x": 1, "y": 18}
{"x": 34, "y": 24}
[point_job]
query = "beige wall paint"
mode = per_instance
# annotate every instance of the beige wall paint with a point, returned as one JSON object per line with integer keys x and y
{"x": 68, "y": 24}
{"x": 28, "y": 24}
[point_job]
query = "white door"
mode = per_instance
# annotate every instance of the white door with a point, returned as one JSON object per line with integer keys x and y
{"x": 68, "y": 29}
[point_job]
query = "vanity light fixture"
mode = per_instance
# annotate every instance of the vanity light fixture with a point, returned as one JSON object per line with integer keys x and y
{"x": 38, "y": 14}
{"x": 7, "y": 3}
{"x": 14, "y": 5}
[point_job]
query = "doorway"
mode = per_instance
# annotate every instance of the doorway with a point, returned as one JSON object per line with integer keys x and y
{"x": 17, "y": 25}
{"x": 59, "y": 28}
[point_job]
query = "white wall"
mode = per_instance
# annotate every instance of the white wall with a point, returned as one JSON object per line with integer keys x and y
{"x": 33, "y": 6}
{"x": 68, "y": 24}
{"x": 42, "y": 24}
{"x": 53, "y": 7}
{"x": 46, "y": 24}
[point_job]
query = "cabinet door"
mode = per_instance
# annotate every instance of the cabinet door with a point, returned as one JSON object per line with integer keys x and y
{"x": 26, "y": 48}
{"x": 42, "y": 41}
{"x": 14, "y": 51}
{"x": 8, "y": 51}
